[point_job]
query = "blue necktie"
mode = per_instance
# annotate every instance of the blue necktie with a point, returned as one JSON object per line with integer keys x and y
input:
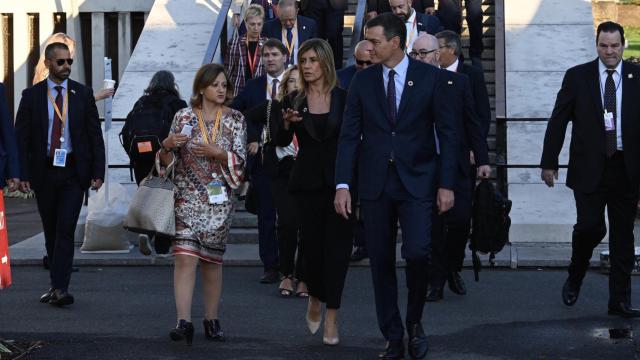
{"x": 289, "y": 42}
{"x": 391, "y": 98}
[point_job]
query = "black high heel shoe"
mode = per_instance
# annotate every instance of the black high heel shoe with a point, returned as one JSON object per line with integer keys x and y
{"x": 183, "y": 331}
{"x": 212, "y": 330}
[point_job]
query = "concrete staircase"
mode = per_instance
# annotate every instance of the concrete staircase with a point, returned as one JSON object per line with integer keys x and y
{"x": 244, "y": 226}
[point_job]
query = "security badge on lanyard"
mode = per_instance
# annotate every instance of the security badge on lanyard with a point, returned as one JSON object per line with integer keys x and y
{"x": 216, "y": 191}
{"x": 608, "y": 121}
{"x": 60, "y": 155}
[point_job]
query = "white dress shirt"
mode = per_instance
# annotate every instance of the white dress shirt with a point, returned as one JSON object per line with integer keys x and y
{"x": 401, "y": 75}
{"x": 66, "y": 144}
{"x": 453, "y": 67}
{"x": 617, "y": 78}
{"x": 412, "y": 30}
{"x": 280, "y": 151}
{"x": 270, "y": 84}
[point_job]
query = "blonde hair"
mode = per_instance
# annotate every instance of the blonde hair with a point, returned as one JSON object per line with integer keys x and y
{"x": 284, "y": 84}
{"x": 325, "y": 56}
{"x": 41, "y": 72}
{"x": 252, "y": 11}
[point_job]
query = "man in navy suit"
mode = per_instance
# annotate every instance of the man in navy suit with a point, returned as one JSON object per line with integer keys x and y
{"x": 415, "y": 22}
{"x": 9, "y": 162}
{"x": 451, "y": 231}
{"x": 255, "y": 92}
{"x": 61, "y": 155}
{"x": 291, "y": 28}
{"x": 450, "y": 52}
{"x": 391, "y": 135}
{"x": 362, "y": 56}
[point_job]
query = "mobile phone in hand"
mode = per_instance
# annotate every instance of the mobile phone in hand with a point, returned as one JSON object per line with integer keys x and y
{"x": 186, "y": 130}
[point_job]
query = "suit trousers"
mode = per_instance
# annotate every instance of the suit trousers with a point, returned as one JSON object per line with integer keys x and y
{"x": 450, "y": 233}
{"x": 380, "y": 222}
{"x": 620, "y": 198}
{"x": 450, "y": 14}
{"x": 59, "y": 202}
{"x": 325, "y": 240}
{"x": 267, "y": 241}
{"x": 330, "y": 24}
{"x": 287, "y": 224}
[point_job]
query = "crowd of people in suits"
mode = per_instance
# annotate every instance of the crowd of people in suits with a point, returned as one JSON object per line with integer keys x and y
{"x": 337, "y": 159}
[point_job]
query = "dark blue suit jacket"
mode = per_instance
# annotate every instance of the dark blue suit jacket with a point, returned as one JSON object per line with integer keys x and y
{"x": 428, "y": 23}
{"x": 368, "y": 137}
{"x": 253, "y": 94}
{"x": 32, "y": 123}
{"x": 345, "y": 75}
{"x": 307, "y": 29}
{"x": 480, "y": 94}
{"x": 469, "y": 124}
{"x": 9, "y": 161}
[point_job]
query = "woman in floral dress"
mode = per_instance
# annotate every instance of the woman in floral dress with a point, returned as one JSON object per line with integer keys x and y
{"x": 207, "y": 142}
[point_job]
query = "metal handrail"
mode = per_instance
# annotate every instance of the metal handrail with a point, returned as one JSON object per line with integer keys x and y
{"x": 219, "y": 35}
{"x": 358, "y": 24}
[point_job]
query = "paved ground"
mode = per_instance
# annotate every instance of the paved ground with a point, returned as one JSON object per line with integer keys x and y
{"x": 23, "y": 220}
{"x": 126, "y": 312}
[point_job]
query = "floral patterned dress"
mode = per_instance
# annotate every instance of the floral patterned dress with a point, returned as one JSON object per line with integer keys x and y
{"x": 202, "y": 228}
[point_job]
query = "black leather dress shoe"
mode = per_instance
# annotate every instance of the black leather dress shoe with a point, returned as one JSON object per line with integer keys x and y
{"x": 435, "y": 293}
{"x": 359, "y": 254}
{"x": 393, "y": 351}
{"x": 456, "y": 284}
{"x": 46, "y": 296}
{"x": 60, "y": 299}
{"x": 418, "y": 346}
{"x": 624, "y": 309}
{"x": 570, "y": 292}
{"x": 270, "y": 277}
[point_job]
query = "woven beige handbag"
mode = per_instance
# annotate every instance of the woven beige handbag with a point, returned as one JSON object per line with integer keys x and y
{"x": 151, "y": 211}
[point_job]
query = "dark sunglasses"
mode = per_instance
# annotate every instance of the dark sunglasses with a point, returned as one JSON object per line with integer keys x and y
{"x": 362, "y": 62}
{"x": 60, "y": 62}
{"x": 421, "y": 53}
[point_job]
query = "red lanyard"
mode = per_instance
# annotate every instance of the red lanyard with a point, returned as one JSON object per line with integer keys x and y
{"x": 252, "y": 63}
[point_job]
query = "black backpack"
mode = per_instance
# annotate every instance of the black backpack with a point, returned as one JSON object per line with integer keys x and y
{"x": 491, "y": 223}
{"x": 144, "y": 129}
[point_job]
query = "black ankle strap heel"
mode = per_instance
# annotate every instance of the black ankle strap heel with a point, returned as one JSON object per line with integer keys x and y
{"x": 184, "y": 331}
{"x": 212, "y": 330}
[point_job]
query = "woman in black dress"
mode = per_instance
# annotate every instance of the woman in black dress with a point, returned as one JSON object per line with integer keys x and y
{"x": 314, "y": 114}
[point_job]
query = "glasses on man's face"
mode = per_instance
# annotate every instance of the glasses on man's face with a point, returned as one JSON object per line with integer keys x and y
{"x": 421, "y": 53}
{"x": 61, "y": 62}
{"x": 363, "y": 62}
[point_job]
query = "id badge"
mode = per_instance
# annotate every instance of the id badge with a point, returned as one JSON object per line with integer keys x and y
{"x": 217, "y": 192}
{"x": 60, "y": 158}
{"x": 608, "y": 121}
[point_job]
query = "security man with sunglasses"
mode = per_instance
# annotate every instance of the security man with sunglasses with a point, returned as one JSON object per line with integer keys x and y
{"x": 362, "y": 55}
{"x": 61, "y": 154}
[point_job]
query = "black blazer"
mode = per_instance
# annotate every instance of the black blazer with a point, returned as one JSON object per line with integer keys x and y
{"x": 32, "y": 123}
{"x": 314, "y": 168}
{"x": 256, "y": 117}
{"x": 480, "y": 94}
{"x": 335, "y": 4}
{"x": 307, "y": 29}
{"x": 469, "y": 124}
{"x": 9, "y": 162}
{"x": 580, "y": 102}
{"x": 428, "y": 23}
{"x": 253, "y": 94}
